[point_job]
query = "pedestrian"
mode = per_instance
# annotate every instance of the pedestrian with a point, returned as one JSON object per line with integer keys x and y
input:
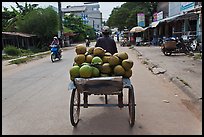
{"x": 106, "y": 42}
{"x": 118, "y": 36}
{"x": 87, "y": 41}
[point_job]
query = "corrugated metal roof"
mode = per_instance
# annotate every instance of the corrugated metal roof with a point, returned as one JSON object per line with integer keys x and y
{"x": 74, "y": 9}
{"x": 18, "y": 34}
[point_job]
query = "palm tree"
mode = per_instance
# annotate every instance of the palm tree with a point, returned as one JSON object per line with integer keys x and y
{"x": 23, "y": 10}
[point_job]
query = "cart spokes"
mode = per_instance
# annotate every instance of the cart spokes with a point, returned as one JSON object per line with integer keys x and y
{"x": 75, "y": 107}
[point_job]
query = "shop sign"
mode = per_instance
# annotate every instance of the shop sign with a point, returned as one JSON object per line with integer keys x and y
{"x": 155, "y": 17}
{"x": 186, "y": 6}
{"x": 160, "y": 15}
{"x": 141, "y": 19}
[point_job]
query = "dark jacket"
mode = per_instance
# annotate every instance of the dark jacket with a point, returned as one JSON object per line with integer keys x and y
{"x": 107, "y": 44}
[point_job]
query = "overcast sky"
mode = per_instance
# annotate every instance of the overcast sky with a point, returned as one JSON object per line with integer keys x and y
{"x": 105, "y": 7}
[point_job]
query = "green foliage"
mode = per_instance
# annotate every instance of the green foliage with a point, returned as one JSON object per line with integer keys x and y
{"x": 6, "y": 16}
{"x": 75, "y": 24}
{"x": 7, "y": 57}
{"x": 25, "y": 52}
{"x": 22, "y": 60}
{"x": 65, "y": 29}
{"x": 12, "y": 51}
{"x": 126, "y": 15}
{"x": 9, "y": 18}
{"x": 42, "y": 22}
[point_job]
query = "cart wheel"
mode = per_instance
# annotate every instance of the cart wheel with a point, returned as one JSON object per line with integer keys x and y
{"x": 131, "y": 106}
{"x": 75, "y": 107}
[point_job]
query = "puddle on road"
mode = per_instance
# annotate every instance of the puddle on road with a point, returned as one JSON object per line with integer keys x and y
{"x": 191, "y": 106}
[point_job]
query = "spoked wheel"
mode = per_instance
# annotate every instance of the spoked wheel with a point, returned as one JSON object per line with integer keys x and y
{"x": 75, "y": 107}
{"x": 52, "y": 58}
{"x": 131, "y": 106}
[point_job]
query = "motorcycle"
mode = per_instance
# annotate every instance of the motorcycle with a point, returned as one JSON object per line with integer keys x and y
{"x": 124, "y": 42}
{"x": 175, "y": 45}
{"x": 55, "y": 53}
{"x": 161, "y": 41}
{"x": 194, "y": 45}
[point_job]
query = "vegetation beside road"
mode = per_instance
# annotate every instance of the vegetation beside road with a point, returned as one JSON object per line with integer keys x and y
{"x": 18, "y": 56}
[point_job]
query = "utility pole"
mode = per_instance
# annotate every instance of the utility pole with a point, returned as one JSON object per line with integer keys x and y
{"x": 93, "y": 24}
{"x": 60, "y": 21}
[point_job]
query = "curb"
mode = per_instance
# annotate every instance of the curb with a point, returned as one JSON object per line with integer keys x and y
{"x": 37, "y": 54}
{"x": 186, "y": 89}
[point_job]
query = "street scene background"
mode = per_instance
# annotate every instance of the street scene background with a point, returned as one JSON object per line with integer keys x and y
{"x": 163, "y": 39}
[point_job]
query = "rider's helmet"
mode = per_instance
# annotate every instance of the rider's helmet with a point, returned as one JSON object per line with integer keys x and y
{"x": 55, "y": 37}
{"x": 106, "y": 30}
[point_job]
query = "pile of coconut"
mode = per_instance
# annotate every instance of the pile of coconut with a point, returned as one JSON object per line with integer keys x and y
{"x": 96, "y": 62}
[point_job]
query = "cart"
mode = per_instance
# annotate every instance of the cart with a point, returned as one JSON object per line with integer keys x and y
{"x": 100, "y": 86}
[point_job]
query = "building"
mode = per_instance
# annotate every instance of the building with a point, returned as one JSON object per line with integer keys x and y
{"x": 19, "y": 40}
{"x": 89, "y": 12}
{"x": 178, "y": 19}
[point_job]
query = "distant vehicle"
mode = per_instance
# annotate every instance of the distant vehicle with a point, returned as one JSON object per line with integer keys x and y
{"x": 55, "y": 53}
{"x": 175, "y": 45}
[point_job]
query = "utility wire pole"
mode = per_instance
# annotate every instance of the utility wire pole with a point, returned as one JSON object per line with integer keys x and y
{"x": 60, "y": 21}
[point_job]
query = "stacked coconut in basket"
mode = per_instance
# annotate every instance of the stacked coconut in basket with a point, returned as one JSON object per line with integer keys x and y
{"x": 96, "y": 62}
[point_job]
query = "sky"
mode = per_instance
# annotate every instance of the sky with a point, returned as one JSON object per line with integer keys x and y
{"x": 105, "y": 7}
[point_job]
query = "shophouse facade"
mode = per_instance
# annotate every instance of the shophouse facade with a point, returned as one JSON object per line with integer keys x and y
{"x": 178, "y": 19}
{"x": 89, "y": 12}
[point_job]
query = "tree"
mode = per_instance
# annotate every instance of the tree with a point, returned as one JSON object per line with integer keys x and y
{"x": 75, "y": 24}
{"x": 27, "y": 8}
{"x": 126, "y": 15}
{"x": 6, "y": 16}
{"x": 41, "y": 22}
{"x": 9, "y": 24}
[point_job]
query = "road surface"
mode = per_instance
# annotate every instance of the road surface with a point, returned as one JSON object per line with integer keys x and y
{"x": 35, "y": 101}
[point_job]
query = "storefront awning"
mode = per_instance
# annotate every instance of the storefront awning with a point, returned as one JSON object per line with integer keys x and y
{"x": 154, "y": 24}
{"x": 176, "y": 17}
{"x": 190, "y": 16}
{"x": 169, "y": 19}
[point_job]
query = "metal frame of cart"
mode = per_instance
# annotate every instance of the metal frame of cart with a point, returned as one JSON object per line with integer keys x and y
{"x": 100, "y": 86}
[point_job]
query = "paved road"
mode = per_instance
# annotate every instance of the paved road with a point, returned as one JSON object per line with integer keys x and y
{"x": 35, "y": 101}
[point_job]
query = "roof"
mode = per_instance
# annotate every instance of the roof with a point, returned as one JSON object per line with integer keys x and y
{"x": 168, "y": 19}
{"x": 69, "y": 34}
{"x": 19, "y": 34}
{"x": 74, "y": 9}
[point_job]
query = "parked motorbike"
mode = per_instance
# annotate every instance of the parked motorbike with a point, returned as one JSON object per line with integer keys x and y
{"x": 175, "y": 45}
{"x": 124, "y": 42}
{"x": 55, "y": 53}
{"x": 194, "y": 45}
{"x": 161, "y": 41}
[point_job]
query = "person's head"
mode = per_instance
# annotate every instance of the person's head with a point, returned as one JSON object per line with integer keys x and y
{"x": 55, "y": 38}
{"x": 106, "y": 30}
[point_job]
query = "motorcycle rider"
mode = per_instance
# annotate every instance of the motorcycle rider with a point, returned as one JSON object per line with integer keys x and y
{"x": 56, "y": 43}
